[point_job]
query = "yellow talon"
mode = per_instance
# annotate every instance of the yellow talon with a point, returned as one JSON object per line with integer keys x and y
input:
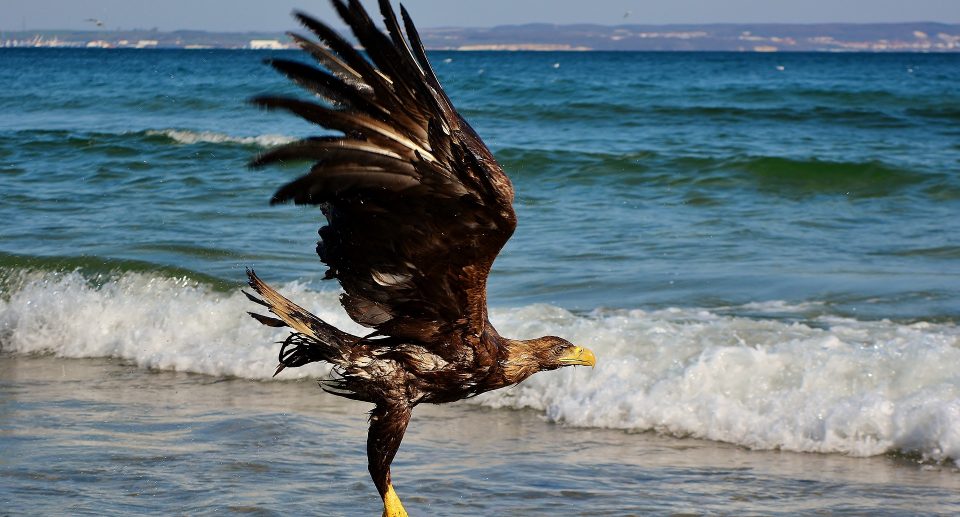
{"x": 391, "y": 504}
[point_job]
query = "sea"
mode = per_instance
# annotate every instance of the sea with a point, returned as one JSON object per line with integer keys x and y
{"x": 763, "y": 250}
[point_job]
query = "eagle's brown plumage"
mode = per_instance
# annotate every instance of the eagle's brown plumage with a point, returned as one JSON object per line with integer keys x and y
{"x": 417, "y": 210}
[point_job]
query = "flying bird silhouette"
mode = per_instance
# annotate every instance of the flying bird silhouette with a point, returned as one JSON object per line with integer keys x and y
{"x": 417, "y": 210}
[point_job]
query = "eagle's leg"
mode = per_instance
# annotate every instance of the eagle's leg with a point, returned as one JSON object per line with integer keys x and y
{"x": 388, "y": 422}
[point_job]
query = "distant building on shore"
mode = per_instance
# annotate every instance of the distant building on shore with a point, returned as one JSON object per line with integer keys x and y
{"x": 266, "y": 44}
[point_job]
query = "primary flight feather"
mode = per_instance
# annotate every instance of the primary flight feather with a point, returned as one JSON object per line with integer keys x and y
{"x": 417, "y": 210}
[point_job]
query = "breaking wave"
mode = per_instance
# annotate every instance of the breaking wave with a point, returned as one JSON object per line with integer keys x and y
{"x": 829, "y": 384}
{"x": 182, "y": 136}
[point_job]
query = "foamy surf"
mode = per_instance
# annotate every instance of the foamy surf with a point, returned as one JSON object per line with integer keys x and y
{"x": 155, "y": 322}
{"x": 187, "y": 137}
{"x": 831, "y": 385}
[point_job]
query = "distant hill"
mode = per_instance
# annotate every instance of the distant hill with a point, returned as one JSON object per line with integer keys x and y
{"x": 885, "y": 37}
{"x": 917, "y": 37}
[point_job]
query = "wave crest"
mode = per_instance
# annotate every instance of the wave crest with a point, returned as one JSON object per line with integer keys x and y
{"x": 830, "y": 385}
{"x": 833, "y": 385}
{"x": 155, "y": 322}
{"x": 182, "y": 136}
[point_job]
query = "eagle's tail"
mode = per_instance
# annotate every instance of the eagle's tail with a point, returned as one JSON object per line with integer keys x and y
{"x": 312, "y": 340}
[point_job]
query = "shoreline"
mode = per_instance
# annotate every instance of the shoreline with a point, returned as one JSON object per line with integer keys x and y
{"x": 913, "y": 36}
{"x": 508, "y": 48}
{"x": 167, "y": 441}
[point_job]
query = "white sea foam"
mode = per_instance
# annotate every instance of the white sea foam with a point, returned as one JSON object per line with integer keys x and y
{"x": 854, "y": 387}
{"x": 835, "y": 385}
{"x": 163, "y": 323}
{"x": 192, "y": 137}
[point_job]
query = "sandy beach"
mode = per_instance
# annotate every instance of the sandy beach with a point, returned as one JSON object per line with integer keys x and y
{"x": 99, "y": 436}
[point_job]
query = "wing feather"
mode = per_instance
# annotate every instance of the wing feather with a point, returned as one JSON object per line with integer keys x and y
{"x": 332, "y": 63}
{"x": 417, "y": 207}
{"x": 420, "y": 55}
{"x": 353, "y": 123}
{"x": 326, "y": 85}
{"x": 318, "y": 148}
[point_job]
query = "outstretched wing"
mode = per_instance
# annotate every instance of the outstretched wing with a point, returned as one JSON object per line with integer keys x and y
{"x": 417, "y": 206}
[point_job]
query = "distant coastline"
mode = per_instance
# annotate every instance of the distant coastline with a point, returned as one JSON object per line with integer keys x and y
{"x": 839, "y": 37}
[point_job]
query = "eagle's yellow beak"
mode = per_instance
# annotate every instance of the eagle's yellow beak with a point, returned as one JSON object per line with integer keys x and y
{"x": 579, "y": 356}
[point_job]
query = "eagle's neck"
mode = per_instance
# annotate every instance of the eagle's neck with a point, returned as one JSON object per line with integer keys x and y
{"x": 521, "y": 360}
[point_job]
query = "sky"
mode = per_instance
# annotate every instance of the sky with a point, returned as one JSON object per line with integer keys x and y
{"x": 264, "y": 15}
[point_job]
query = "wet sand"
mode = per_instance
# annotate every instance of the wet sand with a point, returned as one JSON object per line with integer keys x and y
{"x": 100, "y": 436}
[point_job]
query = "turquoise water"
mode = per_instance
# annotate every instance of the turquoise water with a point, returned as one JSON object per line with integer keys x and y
{"x": 763, "y": 250}
{"x": 643, "y": 179}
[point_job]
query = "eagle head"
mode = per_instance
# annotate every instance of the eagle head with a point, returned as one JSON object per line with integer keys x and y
{"x": 526, "y": 357}
{"x": 555, "y": 352}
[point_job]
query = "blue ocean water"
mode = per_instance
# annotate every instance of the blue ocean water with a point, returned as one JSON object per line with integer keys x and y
{"x": 643, "y": 179}
{"x": 763, "y": 249}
